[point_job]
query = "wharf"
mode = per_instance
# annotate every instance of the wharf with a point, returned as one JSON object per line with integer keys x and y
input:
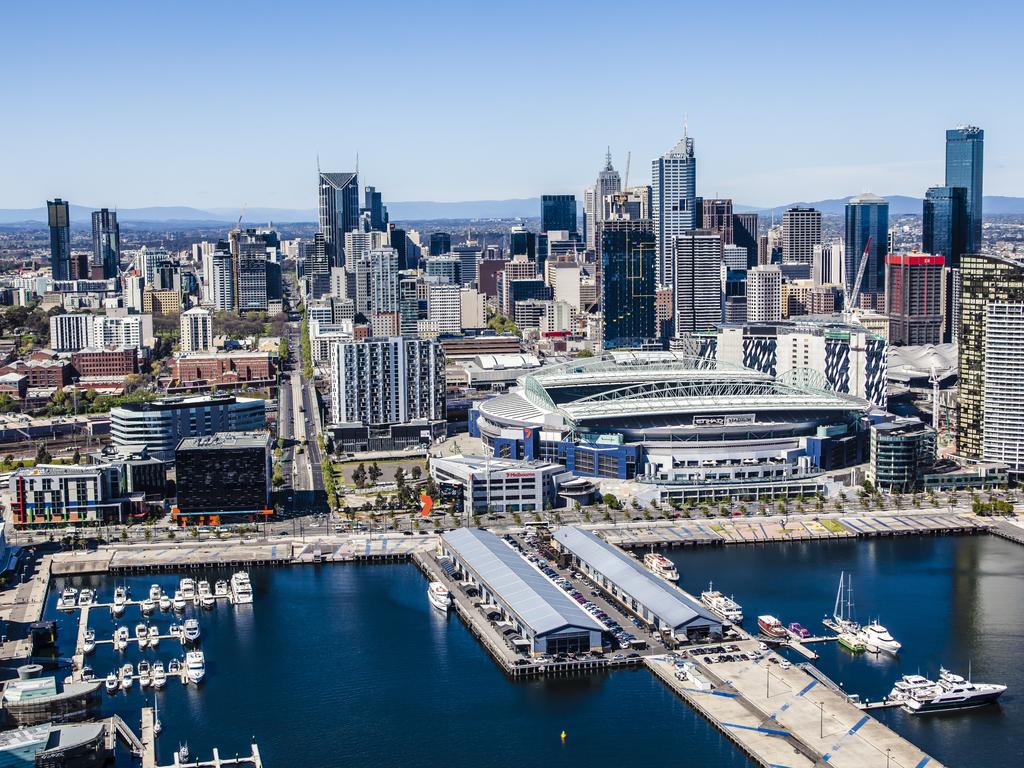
{"x": 364, "y": 549}
{"x": 787, "y": 716}
{"x": 140, "y": 558}
{"x": 148, "y": 751}
{"x": 23, "y": 606}
{"x": 1008, "y": 531}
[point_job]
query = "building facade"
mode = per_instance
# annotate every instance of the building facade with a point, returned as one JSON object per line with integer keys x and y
{"x": 965, "y": 160}
{"x": 801, "y": 231}
{"x": 764, "y": 294}
{"x": 674, "y": 199}
{"x": 628, "y": 283}
{"x": 338, "y": 213}
{"x": 944, "y": 224}
{"x": 697, "y": 286}
{"x": 196, "y": 331}
{"x": 106, "y": 242}
{"x": 867, "y": 227}
{"x": 58, "y": 216}
{"x": 558, "y": 213}
{"x": 1003, "y": 407}
{"x": 228, "y": 474}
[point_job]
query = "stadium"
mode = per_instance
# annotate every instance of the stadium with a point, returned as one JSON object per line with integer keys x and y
{"x": 673, "y": 419}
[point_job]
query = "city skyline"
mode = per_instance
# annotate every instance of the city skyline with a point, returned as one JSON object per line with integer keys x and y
{"x": 833, "y": 141}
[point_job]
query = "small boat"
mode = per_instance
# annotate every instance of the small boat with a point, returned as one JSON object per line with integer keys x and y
{"x": 121, "y": 636}
{"x": 187, "y": 587}
{"x": 174, "y": 668}
{"x": 195, "y": 666}
{"x": 439, "y": 596}
{"x": 164, "y": 602}
{"x": 86, "y": 597}
{"x": 179, "y": 601}
{"x": 148, "y": 606}
{"x": 120, "y": 601}
{"x": 241, "y": 588}
{"x": 771, "y": 627}
{"x": 112, "y": 683}
{"x": 144, "y": 679}
{"x": 190, "y": 631}
{"x": 157, "y": 725}
{"x": 159, "y": 676}
{"x": 722, "y": 605}
{"x": 798, "y": 630}
{"x": 203, "y": 588}
{"x": 660, "y": 565}
{"x": 851, "y": 642}
{"x": 89, "y": 642}
{"x": 220, "y": 589}
{"x": 174, "y": 630}
{"x": 182, "y": 754}
{"x": 154, "y": 637}
{"x": 142, "y": 635}
{"x": 878, "y": 638}
{"x": 155, "y": 592}
{"x": 67, "y": 599}
{"x": 207, "y": 600}
{"x": 126, "y": 676}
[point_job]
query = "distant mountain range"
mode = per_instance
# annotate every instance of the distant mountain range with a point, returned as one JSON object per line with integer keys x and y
{"x": 522, "y": 208}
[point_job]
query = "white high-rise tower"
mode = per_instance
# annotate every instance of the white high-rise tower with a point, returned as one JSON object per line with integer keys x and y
{"x": 608, "y": 183}
{"x": 674, "y": 201}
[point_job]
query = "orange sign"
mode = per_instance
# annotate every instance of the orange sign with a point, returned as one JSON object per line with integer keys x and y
{"x": 428, "y": 504}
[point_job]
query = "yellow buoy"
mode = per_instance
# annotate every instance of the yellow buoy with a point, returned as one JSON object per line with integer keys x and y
{"x": 563, "y": 735}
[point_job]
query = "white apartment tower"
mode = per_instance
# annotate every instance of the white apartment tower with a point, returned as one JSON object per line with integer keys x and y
{"x": 697, "y": 288}
{"x": 764, "y": 294}
{"x": 801, "y": 231}
{"x": 1003, "y": 409}
{"x": 444, "y": 307}
{"x": 674, "y": 202}
{"x": 196, "y": 330}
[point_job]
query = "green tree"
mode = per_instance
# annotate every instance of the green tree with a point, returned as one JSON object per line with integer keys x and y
{"x": 359, "y": 476}
{"x": 400, "y": 478}
{"x": 375, "y": 472}
{"x": 416, "y": 472}
{"x": 611, "y": 501}
{"x": 42, "y": 455}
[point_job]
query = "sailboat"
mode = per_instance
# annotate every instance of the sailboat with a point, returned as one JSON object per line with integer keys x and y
{"x": 842, "y": 613}
{"x": 157, "y": 727}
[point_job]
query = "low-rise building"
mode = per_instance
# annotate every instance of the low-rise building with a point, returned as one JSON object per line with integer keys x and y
{"x": 52, "y": 494}
{"x": 42, "y": 373}
{"x": 480, "y": 485}
{"x": 105, "y": 363}
{"x": 202, "y": 369}
{"x": 901, "y": 452}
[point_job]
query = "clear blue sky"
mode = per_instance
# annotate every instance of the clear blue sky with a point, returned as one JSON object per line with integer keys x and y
{"x": 218, "y": 104}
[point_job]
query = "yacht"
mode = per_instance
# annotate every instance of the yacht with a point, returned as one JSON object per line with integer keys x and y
{"x": 85, "y": 597}
{"x": 148, "y": 606}
{"x": 164, "y": 602}
{"x": 159, "y": 676}
{"x": 188, "y": 589}
{"x": 241, "y": 588}
{"x": 205, "y": 597}
{"x": 174, "y": 668}
{"x": 67, "y": 599}
{"x": 877, "y": 638}
{"x": 126, "y": 676}
{"x": 771, "y": 627}
{"x": 952, "y": 691}
{"x": 220, "y": 589}
{"x": 842, "y": 613}
{"x": 154, "y": 637}
{"x": 155, "y": 592}
{"x": 144, "y": 679}
{"x": 439, "y": 596}
{"x": 661, "y": 566}
{"x": 121, "y": 636}
{"x": 89, "y": 642}
{"x": 174, "y": 630}
{"x": 120, "y": 602}
{"x": 142, "y": 635}
{"x": 179, "y": 601}
{"x": 195, "y": 666}
{"x": 722, "y": 605}
{"x": 190, "y": 631}
{"x": 112, "y": 683}
{"x": 909, "y": 686}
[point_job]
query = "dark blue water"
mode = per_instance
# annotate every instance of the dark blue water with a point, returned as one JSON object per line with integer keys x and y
{"x": 348, "y": 665}
{"x": 951, "y": 601}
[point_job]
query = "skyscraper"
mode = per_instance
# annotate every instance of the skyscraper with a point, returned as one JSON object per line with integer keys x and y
{"x": 106, "y": 242}
{"x": 628, "y": 283}
{"x": 374, "y": 205}
{"x": 913, "y": 298}
{"x": 608, "y": 183}
{"x": 986, "y": 279}
{"x": 339, "y": 212}
{"x": 801, "y": 231}
{"x": 697, "y": 280}
{"x": 764, "y": 294}
{"x": 717, "y": 216}
{"x": 522, "y": 242}
{"x": 225, "y": 297}
{"x": 674, "y": 199}
{"x": 965, "y": 156}
{"x": 867, "y": 222}
{"x": 1002, "y": 426}
{"x": 59, "y": 218}
{"x": 318, "y": 267}
{"x": 944, "y": 228}
{"x": 250, "y": 252}
{"x": 440, "y": 243}
{"x": 744, "y": 233}
{"x": 558, "y": 212}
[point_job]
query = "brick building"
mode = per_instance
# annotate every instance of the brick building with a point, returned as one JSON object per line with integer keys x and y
{"x": 224, "y": 368}
{"x": 105, "y": 363}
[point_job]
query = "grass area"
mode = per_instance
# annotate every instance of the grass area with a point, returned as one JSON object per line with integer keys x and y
{"x": 833, "y": 526}
{"x": 717, "y": 528}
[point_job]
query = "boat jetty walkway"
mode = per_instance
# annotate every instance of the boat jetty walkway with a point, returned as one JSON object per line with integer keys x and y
{"x": 148, "y": 751}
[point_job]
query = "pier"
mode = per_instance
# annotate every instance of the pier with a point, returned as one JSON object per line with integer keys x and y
{"x": 148, "y": 751}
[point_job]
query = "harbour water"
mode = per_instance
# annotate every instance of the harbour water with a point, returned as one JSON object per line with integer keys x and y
{"x": 951, "y": 601}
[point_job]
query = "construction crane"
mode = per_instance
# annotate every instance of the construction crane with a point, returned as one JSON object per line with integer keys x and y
{"x": 934, "y": 379}
{"x": 625, "y": 184}
{"x": 851, "y": 297}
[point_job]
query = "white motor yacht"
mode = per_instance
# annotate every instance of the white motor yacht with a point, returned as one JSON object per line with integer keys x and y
{"x": 67, "y": 599}
{"x": 241, "y": 588}
{"x": 953, "y": 691}
{"x": 220, "y": 589}
{"x": 142, "y": 635}
{"x": 188, "y": 589}
{"x": 174, "y": 668}
{"x": 190, "y": 631}
{"x": 164, "y": 602}
{"x": 85, "y": 597}
{"x": 148, "y": 606}
{"x": 112, "y": 683}
{"x": 159, "y": 676}
{"x": 121, "y": 636}
{"x": 439, "y": 596}
{"x": 179, "y": 601}
{"x": 120, "y": 602}
{"x": 876, "y": 636}
{"x": 909, "y": 686}
{"x": 155, "y": 592}
{"x": 126, "y": 676}
{"x": 144, "y": 679}
{"x": 154, "y": 637}
{"x": 89, "y": 643}
{"x": 195, "y": 666}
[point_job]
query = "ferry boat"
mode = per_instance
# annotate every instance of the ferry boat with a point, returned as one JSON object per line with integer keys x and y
{"x": 241, "y": 588}
{"x": 89, "y": 642}
{"x": 771, "y": 627}
{"x": 851, "y": 641}
{"x": 722, "y": 605}
{"x": 188, "y": 589}
{"x": 950, "y": 692}
{"x": 112, "y": 683}
{"x": 164, "y": 602}
{"x": 67, "y": 599}
{"x": 220, "y": 589}
{"x": 190, "y": 631}
{"x": 439, "y": 596}
{"x": 154, "y": 637}
{"x": 159, "y": 675}
{"x": 85, "y": 597}
{"x": 660, "y": 565}
{"x": 120, "y": 601}
{"x": 142, "y": 635}
{"x": 195, "y": 666}
{"x": 877, "y": 638}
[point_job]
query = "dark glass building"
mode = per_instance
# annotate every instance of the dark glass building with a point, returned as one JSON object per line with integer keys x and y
{"x": 106, "y": 242}
{"x": 944, "y": 226}
{"x": 867, "y": 219}
{"x": 339, "y": 212}
{"x": 744, "y": 233}
{"x": 59, "y": 218}
{"x": 629, "y": 261}
{"x": 558, "y": 212}
{"x": 440, "y": 243}
{"x": 523, "y": 243}
{"x": 374, "y": 204}
{"x": 224, "y": 474}
{"x": 965, "y": 155}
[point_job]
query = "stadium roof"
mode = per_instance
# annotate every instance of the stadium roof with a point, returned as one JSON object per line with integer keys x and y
{"x": 917, "y": 362}
{"x": 671, "y": 606}
{"x": 523, "y": 589}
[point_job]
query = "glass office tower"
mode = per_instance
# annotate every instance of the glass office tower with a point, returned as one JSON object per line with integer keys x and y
{"x": 944, "y": 223}
{"x": 965, "y": 154}
{"x": 867, "y": 220}
{"x": 628, "y": 266}
{"x": 558, "y": 212}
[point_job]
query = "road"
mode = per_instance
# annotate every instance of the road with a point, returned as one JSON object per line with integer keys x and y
{"x": 299, "y": 421}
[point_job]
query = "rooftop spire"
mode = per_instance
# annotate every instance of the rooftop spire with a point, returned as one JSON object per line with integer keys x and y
{"x": 608, "y": 159}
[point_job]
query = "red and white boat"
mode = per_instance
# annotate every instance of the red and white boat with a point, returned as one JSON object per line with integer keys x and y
{"x": 771, "y": 626}
{"x": 661, "y": 565}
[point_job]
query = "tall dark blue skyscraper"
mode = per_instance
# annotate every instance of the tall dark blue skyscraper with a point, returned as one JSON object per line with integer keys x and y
{"x": 59, "y": 218}
{"x": 522, "y": 243}
{"x": 629, "y": 261}
{"x": 944, "y": 223}
{"x": 106, "y": 242}
{"x": 867, "y": 217}
{"x": 339, "y": 212}
{"x": 440, "y": 243}
{"x": 965, "y": 159}
{"x": 374, "y": 204}
{"x": 558, "y": 212}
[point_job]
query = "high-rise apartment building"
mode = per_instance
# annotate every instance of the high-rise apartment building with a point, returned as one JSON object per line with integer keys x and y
{"x": 801, "y": 231}
{"x": 1003, "y": 408}
{"x": 444, "y": 307}
{"x": 764, "y": 294}
{"x": 867, "y": 227}
{"x": 70, "y": 333}
{"x": 965, "y": 160}
{"x": 383, "y": 280}
{"x": 250, "y": 251}
{"x": 944, "y": 223}
{"x": 744, "y": 234}
{"x": 913, "y": 298}
{"x": 986, "y": 279}
{"x": 674, "y": 200}
{"x": 196, "y": 330}
{"x": 59, "y": 218}
{"x": 628, "y": 283}
{"x": 558, "y": 212}
{"x": 339, "y": 213}
{"x": 697, "y": 275}
{"x": 106, "y": 242}
{"x": 222, "y": 267}
{"x": 718, "y": 217}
